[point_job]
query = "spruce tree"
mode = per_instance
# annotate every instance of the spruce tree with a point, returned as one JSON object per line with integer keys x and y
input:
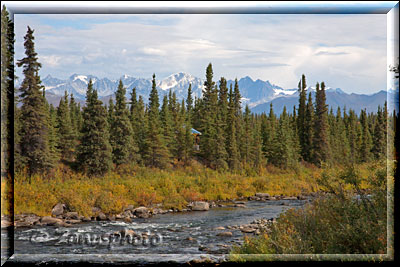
{"x": 187, "y": 134}
{"x": 208, "y": 118}
{"x": 265, "y": 133}
{"x": 180, "y": 137}
{"x": 54, "y": 140}
{"x": 189, "y": 103}
{"x": 239, "y": 119}
{"x": 34, "y": 132}
{"x": 110, "y": 119}
{"x": 8, "y": 159}
{"x": 156, "y": 152}
{"x": 366, "y": 140}
{"x": 279, "y": 149}
{"x": 352, "y": 127}
{"x": 124, "y": 149}
{"x": 94, "y": 151}
{"x": 247, "y": 137}
{"x": 257, "y": 144}
{"x": 141, "y": 130}
{"x": 136, "y": 117}
{"x": 168, "y": 125}
{"x": 308, "y": 152}
{"x": 379, "y": 143}
{"x": 220, "y": 153}
{"x": 302, "y": 117}
{"x": 231, "y": 145}
{"x": 75, "y": 116}
{"x": 19, "y": 162}
{"x": 133, "y": 103}
{"x": 320, "y": 137}
{"x": 223, "y": 103}
{"x": 66, "y": 135}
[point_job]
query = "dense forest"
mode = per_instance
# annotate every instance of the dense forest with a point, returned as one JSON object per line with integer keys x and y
{"x": 97, "y": 138}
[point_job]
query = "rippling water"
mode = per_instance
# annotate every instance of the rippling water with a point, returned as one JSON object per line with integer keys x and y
{"x": 178, "y": 236}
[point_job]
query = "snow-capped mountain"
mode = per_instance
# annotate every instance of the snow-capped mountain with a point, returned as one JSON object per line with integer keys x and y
{"x": 257, "y": 94}
{"x": 253, "y": 92}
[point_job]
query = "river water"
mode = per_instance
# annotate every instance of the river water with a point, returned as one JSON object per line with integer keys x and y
{"x": 180, "y": 237}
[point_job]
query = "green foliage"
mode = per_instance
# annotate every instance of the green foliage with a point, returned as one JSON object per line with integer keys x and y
{"x": 124, "y": 149}
{"x": 34, "y": 144}
{"x": 347, "y": 221}
{"x": 65, "y": 128}
{"x": 156, "y": 153}
{"x": 94, "y": 152}
{"x": 320, "y": 139}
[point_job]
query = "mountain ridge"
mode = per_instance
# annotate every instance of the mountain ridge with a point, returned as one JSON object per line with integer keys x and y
{"x": 258, "y": 94}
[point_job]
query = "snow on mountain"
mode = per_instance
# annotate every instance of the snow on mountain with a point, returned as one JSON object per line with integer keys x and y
{"x": 283, "y": 92}
{"x": 83, "y": 78}
{"x": 257, "y": 94}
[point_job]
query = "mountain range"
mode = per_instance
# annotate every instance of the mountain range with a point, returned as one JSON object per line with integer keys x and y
{"x": 257, "y": 94}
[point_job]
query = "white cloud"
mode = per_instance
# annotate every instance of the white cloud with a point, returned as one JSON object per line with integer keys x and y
{"x": 51, "y": 61}
{"x": 346, "y": 51}
{"x": 153, "y": 51}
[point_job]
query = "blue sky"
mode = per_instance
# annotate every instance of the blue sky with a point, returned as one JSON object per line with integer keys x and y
{"x": 344, "y": 50}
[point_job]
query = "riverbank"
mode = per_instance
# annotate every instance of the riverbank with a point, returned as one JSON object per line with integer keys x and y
{"x": 343, "y": 222}
{"x": 136, "y": 191}
{"x": 191, "y": 234}
{"x": 140, "y": 186}
{"x": 61, "y": 216}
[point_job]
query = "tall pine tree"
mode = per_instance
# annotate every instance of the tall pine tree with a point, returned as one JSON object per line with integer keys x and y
{"x": 320, "y": 138}
{"x": 94, "y": 151}
{"x": 156, "y": 153}
{"x": 124, "y": 149}
{"x": 34, "y": 131}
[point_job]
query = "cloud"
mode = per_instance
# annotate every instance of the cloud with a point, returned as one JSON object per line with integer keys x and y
{"x": 51, "y": 61}
{"x": 256, "y": 65}
{"x": 153, "y": 51}
{"x": 327, "y": 53}
{"x": 271, "y": 47}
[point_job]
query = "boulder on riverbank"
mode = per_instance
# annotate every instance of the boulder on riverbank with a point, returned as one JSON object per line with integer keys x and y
{"x": 200, "y": 206}
{"x": 71, "y": 215}
{"x": 142, "y": 212}
{"x": 262, "y": 195}
{"x": 48, "y": 220}
{"x": 58, "y": 209}
{"x": 101, "y": 216}
{"x": 289, "y": 198}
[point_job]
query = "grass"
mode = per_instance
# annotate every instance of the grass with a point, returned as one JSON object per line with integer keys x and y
{"x": 173, "y": 188}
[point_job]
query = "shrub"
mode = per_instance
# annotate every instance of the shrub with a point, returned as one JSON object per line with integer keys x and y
{"x": 347, "y": 221}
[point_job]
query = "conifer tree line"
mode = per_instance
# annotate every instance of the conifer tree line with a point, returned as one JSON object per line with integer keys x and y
{"x": 98, "y": 137}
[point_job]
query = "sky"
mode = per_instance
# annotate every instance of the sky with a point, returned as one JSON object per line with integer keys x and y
{"x": 347, "y": 51}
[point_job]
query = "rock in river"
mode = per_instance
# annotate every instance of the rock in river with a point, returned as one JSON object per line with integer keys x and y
{"x": 225, "y": 234}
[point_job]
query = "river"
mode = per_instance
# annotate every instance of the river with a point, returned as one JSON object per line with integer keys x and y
{"x": 178, "y": 237}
